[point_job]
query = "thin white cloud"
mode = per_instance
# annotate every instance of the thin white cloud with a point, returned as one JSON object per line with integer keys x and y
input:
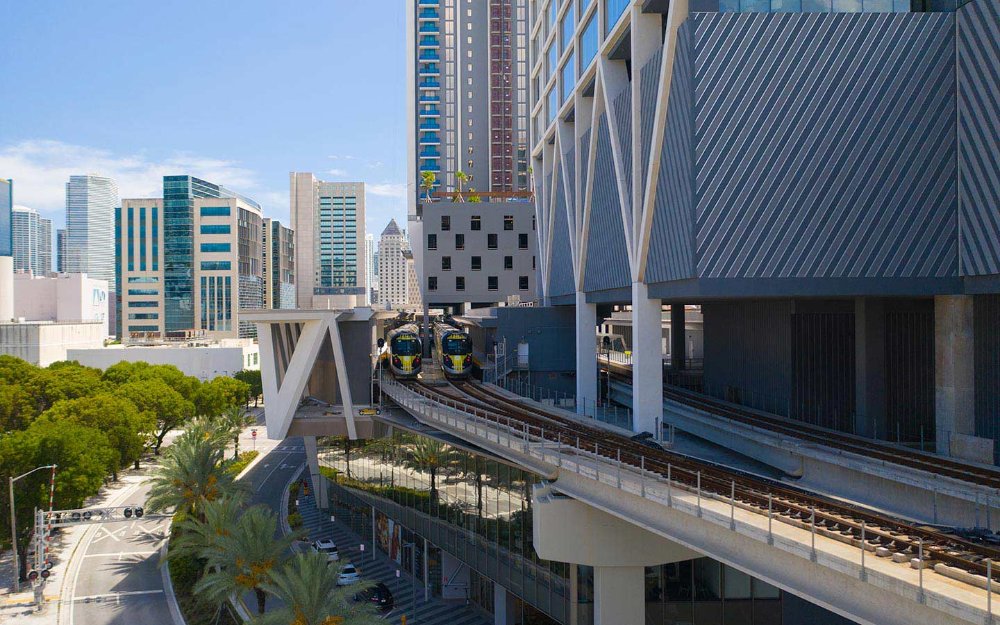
{"x": 40, "y": 169}
{"x": 342, "y": 157}
{"x": 387, "y": 189}
{"x": 337, "y": 172}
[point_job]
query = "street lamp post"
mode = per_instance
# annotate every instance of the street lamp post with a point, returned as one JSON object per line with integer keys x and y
{"x": 13, "y": 524}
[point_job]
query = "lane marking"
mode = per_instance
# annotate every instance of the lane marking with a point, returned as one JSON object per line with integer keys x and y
{"x": 117, "y": 595}
{"x": 282, "y": 464}
{"x": 120, "y": 554}
{"x": 101, "y": 528}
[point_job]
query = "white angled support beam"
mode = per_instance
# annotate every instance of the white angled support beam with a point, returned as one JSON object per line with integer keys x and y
{"x": 345, "y": 384}
{"x": 588, "y": 191}
{"x": 269, "y": 365}
{"x": 279, "y": 412}
{"x": 615, "y": 80}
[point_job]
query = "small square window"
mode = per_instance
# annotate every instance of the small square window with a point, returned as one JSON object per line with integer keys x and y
{"x": 491, "y": 241}
{"x": 432, "y": 241}
{"x": 445, "y": 222}
{"x": 522, "y": 241}
{"x": 477, "y": 223}
{"x": 432, "y": 283}
{"x": 477, "y": 263}
{"x": 459, "y": 283}
{"x": 459, "y": 241}
{"x": 522, "y": 283}
{"x": 508, "y": 222}
{"x": 446, "y": 263}
{"x": 508, "y": 262}
{"x": 492, "y": 283}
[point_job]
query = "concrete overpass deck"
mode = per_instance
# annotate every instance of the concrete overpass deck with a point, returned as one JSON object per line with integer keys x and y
{"x": 863, "y": 565}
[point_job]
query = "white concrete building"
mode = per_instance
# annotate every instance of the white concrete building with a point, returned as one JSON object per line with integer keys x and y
{"x": 201, "y": 360}
{"x": 32, "y": 241}
{"x": 371, "y": 269}
{"x": 90, "y": 227}
{"x": 65, "y": 298}
{"x": 393, "y": 279}
{"x": 45, "y": 342}
{"x": 329, "y": 223}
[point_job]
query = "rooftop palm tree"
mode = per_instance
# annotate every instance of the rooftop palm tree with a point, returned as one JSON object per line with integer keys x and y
{"x": 427, "y": 182}
{"x": 462, "y": 179}
{"x": 190, "y": 477}
{"x": 309, "y": 595}
{"x": 244, "y": 559}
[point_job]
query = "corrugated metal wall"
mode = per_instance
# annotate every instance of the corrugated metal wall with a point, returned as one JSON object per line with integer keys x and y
{"x": 987, "y": 361}
{"x": 561, "y": 265}
{"x": 909, "y": 372}
{"x": 607, "y": 255}
{"x": 584, "y": 160}
{"x": 748, "y": 353}
{"x": 671, "y": 245}
{"x": 979, "y": 135}
{"x": 649, "y": 80}
{"x": 823, "y": 367}
{"x": 623, "y": 121}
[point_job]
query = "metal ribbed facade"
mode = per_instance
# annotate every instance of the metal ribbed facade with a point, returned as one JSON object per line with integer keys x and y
{"x": 825, "y": 145}
{"x": 623, "y": 121}
{"x": 909, "y": 372}
{"x": 823, "y": 367}
{"x": 584, "y": 159}
{"x": 649, "y": 79}
{"x": 979, "y": 135}
{"x": 986, "y": 320}
{"x": 671, "y": 245}
{"x": 561, "y": 266}
{"x": 607, "y": 255}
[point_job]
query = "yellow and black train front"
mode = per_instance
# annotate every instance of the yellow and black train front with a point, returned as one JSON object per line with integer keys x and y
{"x": 456, "y": 354}
{"x": 404, "y": 349}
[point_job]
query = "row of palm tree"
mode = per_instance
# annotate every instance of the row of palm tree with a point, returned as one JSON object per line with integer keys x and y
{"x": 238, "y": 546}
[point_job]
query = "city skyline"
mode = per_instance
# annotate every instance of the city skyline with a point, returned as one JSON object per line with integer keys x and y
{"x": 361, "y": 138}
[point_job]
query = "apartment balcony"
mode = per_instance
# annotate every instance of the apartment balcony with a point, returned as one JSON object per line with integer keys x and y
{"x": 429, "y": 98}
{"x": 429, "y": 3}
{"x": 430, "y": 139}
{"x": 430, "y": 153}
{"x": 434, "y": 167}
{"x": 431, "y": 69}
{"x": 429, "y": 84}
{"x": 429, "y": 55}
{"x": 430, "y": 125}
{"x": 431, "y": 111}
{"x": 427, "y": 14}
{"x": 429, "y": 28}
{"x": 428, "y": 42}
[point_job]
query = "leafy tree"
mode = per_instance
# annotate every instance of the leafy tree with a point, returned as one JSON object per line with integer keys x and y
{"x": 253, "y": 380}
{"x": 308, "y": 593}
{"x": 232, "y": 422}
{"x": 127, "y": 429}
{"x": 462, "y": 178}
{"x": 159, "y": 403}
{"x": 82, "y": 453}
{"x": 244, "y": 559}
{"x": 17, "y": 408}
{"x": 189, "y": 477}
{"x": 66, "y": 380}
{"x": 123, "y": 371}
{"x": 196, "y": 538}
{"x": 427, "y": 181}
{"x": 431, "y": 456}
{"x": 216, "y": 396}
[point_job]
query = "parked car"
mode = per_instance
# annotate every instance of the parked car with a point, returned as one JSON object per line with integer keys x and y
{"x": 378, "y": 595}
{"x": 328, "y": 547}
{"x": 348, "y": 575}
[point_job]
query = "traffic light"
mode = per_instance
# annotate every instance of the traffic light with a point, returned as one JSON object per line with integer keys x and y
{"x": 136, "y": 511}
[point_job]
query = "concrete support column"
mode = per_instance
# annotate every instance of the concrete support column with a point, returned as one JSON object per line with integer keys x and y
{"x": 678, "y": 338}
{"x": 315, "y": 478}
{"x": 500, "y": 615}
{"x": 954, "y": 371}
{"x": 869, "y": 367}
{"x": 619, "y": 595}
{"x": 586, "y": 353}
{"x": 647, "y": 360}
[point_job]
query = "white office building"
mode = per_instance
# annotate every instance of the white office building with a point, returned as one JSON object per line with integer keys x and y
{"x": 393, "y": 280}
{"x": 32, "y": 241}
{"x": 64, "y": 298}
{"x": 329, "y": 223}
{"x": 90, "y": 227}
{"x": 371, "y": 269}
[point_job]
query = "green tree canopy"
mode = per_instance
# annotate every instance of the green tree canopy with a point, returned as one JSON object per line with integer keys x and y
{"x": 125, "y": 372}
{"x": 126, "y": 428}
{"x": 158, "y": 402}
{"x": 216, "y": 396}
{"x": 67, "y": 380}
{"x": 253, "y": 380}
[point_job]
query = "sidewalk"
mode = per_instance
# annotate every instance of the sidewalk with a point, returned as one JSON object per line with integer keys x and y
{"x": 382, "y": 569}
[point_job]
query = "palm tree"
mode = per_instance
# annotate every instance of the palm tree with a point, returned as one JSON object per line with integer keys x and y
{"x": 309, "y": 595}
{"x": 244, "y": 559}
{"x": 196, "y": 539}
{"x": 474, "y": 198}
{"x": 427, "y": 182}
{"x": 190, "y": 477}
{"x": 462, "y": 179}
{"x": 430, "y": 455}
{"x": 232, "y": 422}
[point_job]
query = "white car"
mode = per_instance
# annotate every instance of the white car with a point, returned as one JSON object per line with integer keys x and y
{"x": 328, "y": 547}
{"x": 348, "y": 575}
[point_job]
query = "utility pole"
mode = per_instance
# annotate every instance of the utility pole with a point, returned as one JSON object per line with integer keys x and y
{"x": 13, "y": 522}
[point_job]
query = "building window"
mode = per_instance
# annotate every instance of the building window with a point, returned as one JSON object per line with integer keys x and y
{"x": 215, "y": 228}
{"x": 477, "y": 223}
{"x": 216, "y": 265}
{"x": 522, "y": 283}
{"x": 432, "y": 241}
{"x": 477, "y": 263}
{"x": 508, "y": 262}
{"x": 459, "y": 283}
{"x": 522, "y": 241}
{"x": 491, "y": 241}
{"x": 492, "y": 283}
{"x": 508, "y": 222}
{"x": 215, "y": 211}
{"x": 432, "y": 283}
{"x": 216, "y": 247}
{"x": 459, "y": 241}
{"x": 445, "y": 222}
{"x": 446, "y": 263}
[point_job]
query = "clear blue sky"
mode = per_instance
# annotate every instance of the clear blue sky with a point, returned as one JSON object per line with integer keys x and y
{"x": 240, "y": 93}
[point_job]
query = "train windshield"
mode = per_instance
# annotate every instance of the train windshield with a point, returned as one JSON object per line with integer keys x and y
{"x": 405, "y": 346}
{"x": 456, "y": 344}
